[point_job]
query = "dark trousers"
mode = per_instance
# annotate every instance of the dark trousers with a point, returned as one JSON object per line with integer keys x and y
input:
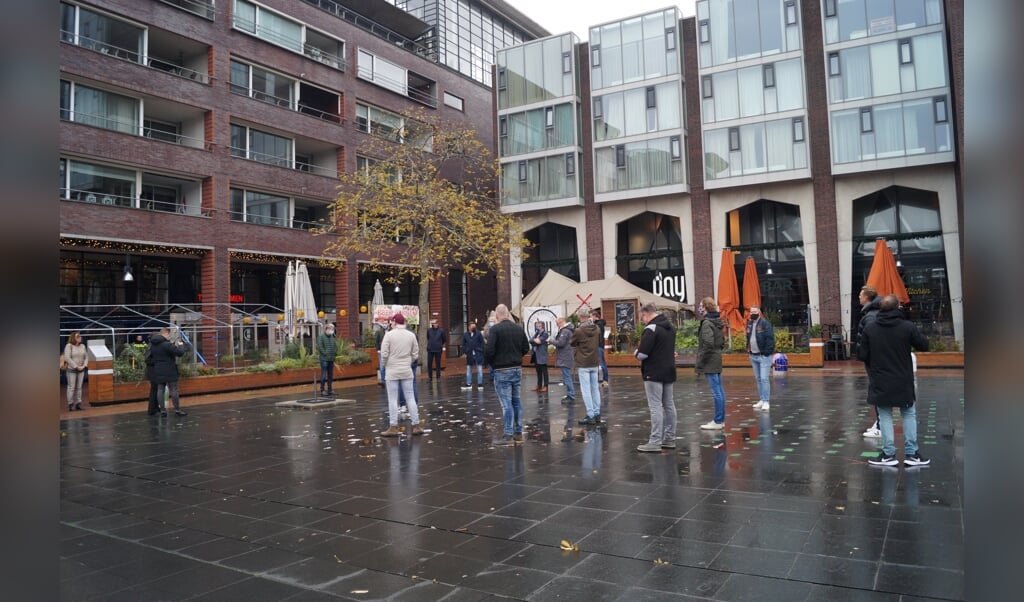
{"x": 542, "y": 375}
{"x": 327, "y": 376}
{"x": 433, "y": 356}
{"x": 154, "y": 390}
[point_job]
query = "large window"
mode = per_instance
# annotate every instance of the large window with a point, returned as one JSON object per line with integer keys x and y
{"x": 898, "y": 129}
{"x": 650, "y": 250}
{"x": 893, "y": 67}
{"x": 738, "y": 30}
{"x": 267, "y": 25}
{"x": 95, "y": 183}
{"x": 99, "y": 32}
{"x": 260, "y": 208}
{"x": 392, "y": 126}
{"x": 757, "y": 90}
{"x": 637, "y": 111}
{"x": 909, "y": 220}
{"x": 640, "y": 48}
{"x": 250, "y": 143}
{"x": 642, "y": 164}
{"x": 263, "y": 85}
{"x": 856, "y": 19}
{"x": 539, "y": 179}
{"x": 554, "y": 248}
{"x": 540, "y": 129}
{"x": 754, "y": 148}
{"x": 100, "y": 108}
{"x": 771, "y": 233}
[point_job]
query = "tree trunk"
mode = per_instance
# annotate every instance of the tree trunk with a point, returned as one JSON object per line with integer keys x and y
{"x": 424, "y": 304}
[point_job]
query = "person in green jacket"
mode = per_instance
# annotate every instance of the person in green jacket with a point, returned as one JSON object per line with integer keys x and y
{"x": 327, "y": 349}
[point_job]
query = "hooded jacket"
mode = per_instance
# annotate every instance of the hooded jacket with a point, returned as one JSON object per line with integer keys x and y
{"x": 165, "y": 355}
{"x": 710, "y": 340}
{"x": 586, "y": 340}
{"x": 764, "y": 335}
{"x": 658, "y": 344}
{"x": 473, "y": 347}
{"x": 884, "y": 348}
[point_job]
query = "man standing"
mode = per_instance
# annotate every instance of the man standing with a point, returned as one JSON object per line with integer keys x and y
{"x": 564, "y": 359}
{"x": 603, "y": 325}
{"x": 398, "y": 351}
{"x": 657, "y": 357}
{"x": 539, "y": 342}
{"x": 885, "y": 347}
{"x": 586, "y": 341}
{"x": 710, "y": 341}
{"x": 165, "y": 369}
{"x": 760, "y": 347}
{"x": 436, "y": 344}
{"x": 327, "y": 349}
{"x": 504, "y": 350}
{"x": 869, "y": 302}
{"x": 473, "y": 347}
{"x": 378, "y": 340}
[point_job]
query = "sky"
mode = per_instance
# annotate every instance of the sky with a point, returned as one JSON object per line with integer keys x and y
{"x": 577, "y": 16}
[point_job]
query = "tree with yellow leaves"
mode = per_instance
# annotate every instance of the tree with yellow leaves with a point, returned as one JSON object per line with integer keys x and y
{"x": 423, "y": 202}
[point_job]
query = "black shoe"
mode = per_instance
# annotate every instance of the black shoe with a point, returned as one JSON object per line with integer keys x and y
{"x": 517, "y": 437}
{"x": 587, "y": 420}
{"x": 504, "y": 441}
{"x": 163, "y": 413}
{"x": 597, "y": 419}
{"x": 916, "y": 460}
{"x": 180, "y": 413}
{"x": 568, "y": 401}
{"x": 884, "y": 460}
{"x": 71, "y": 408}
{"x": 78, "y": 406}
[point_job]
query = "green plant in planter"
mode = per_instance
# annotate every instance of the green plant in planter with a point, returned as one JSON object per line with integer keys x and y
{"x": 814, "y": 331}
{"x": 349, "y": 355}
{"x": 686, "y": 334}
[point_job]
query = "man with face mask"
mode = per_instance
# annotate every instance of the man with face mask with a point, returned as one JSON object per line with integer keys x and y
{"x": 473, "y": 346}
{"x": 760, "y": 347}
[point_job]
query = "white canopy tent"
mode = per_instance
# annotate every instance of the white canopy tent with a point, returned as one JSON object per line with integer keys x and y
{"x": 557, "y": 290}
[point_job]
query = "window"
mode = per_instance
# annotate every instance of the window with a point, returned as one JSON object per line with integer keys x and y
{"x": 257, "y": 145}
{"x": 502, "y": 78}
{"x": 101, "y": 33}
{"x": 265, "y": 86}
{"x": 670, "y": 38}
{"x": 570, "y": 163}
{"x": 865, "y": 120}
{"x": 651, "y": 100}
{"x": 262, "y": 208}
{"x": 161, "y": 130}
{"x": 704, "y": 29}
{"x": 595, "y": 56}
{"x": 833, "y": 63}
{"x": 566, "y": 62}
{"x": 549, "y": 117}
{"x": 830, "y": 8}
{"x": 906, "y": 52}
{"x": 769, "y": 76}
{"x": 503, "y": 126}
{"x": 675, "y": 149}
{"x": 941, "y": 114}
{"x": 798, "y": 129}
{"x": 707, "y": 91}
{"x": 522, "y": 171}
{"x": 100, "y": 184}
{"x": 734, "y": 139}
{"x": 790, "y": 12}
{"x": 267, "y": 25}
{"x": 620, "y": 155}
{"x": 597, "y": 107}
{"x": 99, "y": 108}
{"x": 454, "y": 101}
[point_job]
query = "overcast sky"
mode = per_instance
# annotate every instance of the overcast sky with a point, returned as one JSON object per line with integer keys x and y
{"x": 560, "y": 16}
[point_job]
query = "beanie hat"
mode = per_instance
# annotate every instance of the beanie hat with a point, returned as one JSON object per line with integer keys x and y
{"x": 398, "y": 319}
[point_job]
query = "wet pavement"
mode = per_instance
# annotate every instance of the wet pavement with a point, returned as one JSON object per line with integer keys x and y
{"x": 246, "y": 500}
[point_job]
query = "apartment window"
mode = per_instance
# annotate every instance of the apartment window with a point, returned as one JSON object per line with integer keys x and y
{"x": 265, "y": 86}
{"x": 259, "y": 208}
{"x": 798, "y": 129}
{"x": 704, "y": 30}
{"x": 651, "y": 99}
{"x": 549, "y": 117}
{"x": 566, "y": 62}
{"x": 161, "y": 130}
{"x": 257, "y": 145}
{"x": 597, "y": 107}
{"x": 454, "y": 101}
{"x": 94, "y": 183}
{"x": 830, "y": 8}
{"x": 101, "y": 33}
{"x": 734, "y": 139}
{"x": 769, "y": 76}
{"x": 833, "y": 63}
{"x": 502, "y": 79}
{"x": 707, "y": 90}
{"x": 670, "y": 38}
{"x": 790, "y": 12}
{"x": 522, "y": 171}
{"x": 866, "y": 124}
{"x": 595, "y": 56}
{"x": 99, "y": 108}
{"x": 675, "y": 148}
{"x": 906, "y": 52}
{"x": 503, "y": 126}
{"x": 391, "y": 126}
{"x": 267, "y": 25}
{"x": 941, "y": 112}
{"x": 570, "y": 163}
{"x": 620, "y": 155}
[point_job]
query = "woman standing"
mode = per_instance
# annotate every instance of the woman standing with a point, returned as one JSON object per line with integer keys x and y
{"x": 77, "y": 359}
{"x": 540, "y": 354}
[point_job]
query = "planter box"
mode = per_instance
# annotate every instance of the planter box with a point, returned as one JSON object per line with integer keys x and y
{"x": 940, "y": 359}
{"x": 240, "y": 381}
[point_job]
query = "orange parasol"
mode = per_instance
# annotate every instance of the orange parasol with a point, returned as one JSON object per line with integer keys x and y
{"x": 729, "y": 293}
{"x": 751, "y": 286}
{"x": 884, "y": 276}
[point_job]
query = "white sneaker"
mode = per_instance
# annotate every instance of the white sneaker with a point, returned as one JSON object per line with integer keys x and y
{"x": 757, "y": 406}
{"x": 713, "y": 426}
{"x": 467, "y": 388}
{"x": 874, "y": 432}
{"x": 765, "y": 406}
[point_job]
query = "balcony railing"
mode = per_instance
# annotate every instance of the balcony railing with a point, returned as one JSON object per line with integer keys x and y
{"x": 130, "y": 127}
{"x": 285, "y": 103}
{"x": 427, "y": 98}
{"x": 347, "y": 14}
{"x": 279, "y": 161}
{"x": 202, "y": 8}
{"x": 132, "y": 56}
{"x": 118, "y": 200}
{"x": 328, "y": 58}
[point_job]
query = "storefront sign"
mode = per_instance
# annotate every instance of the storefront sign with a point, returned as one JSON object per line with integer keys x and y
{"x": 671, "y": 287}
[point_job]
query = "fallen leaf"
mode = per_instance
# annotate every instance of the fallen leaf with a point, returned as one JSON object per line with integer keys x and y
{"x": 360, "y": 591}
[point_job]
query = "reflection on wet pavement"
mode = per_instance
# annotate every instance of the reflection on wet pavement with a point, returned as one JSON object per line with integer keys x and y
{"x": 248, "y": 500}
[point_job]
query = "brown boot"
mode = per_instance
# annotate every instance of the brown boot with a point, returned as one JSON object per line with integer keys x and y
{"x": 417, "y": 429}
{"x": 393, "y": 431}
{"x": 542, "y": 390}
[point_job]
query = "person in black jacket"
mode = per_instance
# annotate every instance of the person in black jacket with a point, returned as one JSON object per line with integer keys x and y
{"x": 885, "y": 347}
{"x": 869, "y": 301}
{"x": 504, "y": 349}
{"x": 437, "y": 342}
{"x": 165, "y": 369}
{"x": 657, "y": 356}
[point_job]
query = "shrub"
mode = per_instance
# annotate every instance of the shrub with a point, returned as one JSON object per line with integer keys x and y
{"x": 349, "y": 355}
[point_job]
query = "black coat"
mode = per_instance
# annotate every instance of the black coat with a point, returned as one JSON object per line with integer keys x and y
{"x": 658, "y": 343}
{"x": 165, "y": 355}
{"x": 506, "y": 345}
{"x": 885, "y": 347}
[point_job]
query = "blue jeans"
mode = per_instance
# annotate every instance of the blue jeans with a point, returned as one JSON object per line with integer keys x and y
{"x": 479, "y": 374}
{"x": 570, "y": 390}
{"x": 327, "y": 376}
{"x": 506, "y": 383}
{"x": 604, "y": 364}
{"x": 591, "y": 391}
{"x": 762, "y": 373}
{"x": 715, "y": 382}
{"x": 908, "y": 416}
